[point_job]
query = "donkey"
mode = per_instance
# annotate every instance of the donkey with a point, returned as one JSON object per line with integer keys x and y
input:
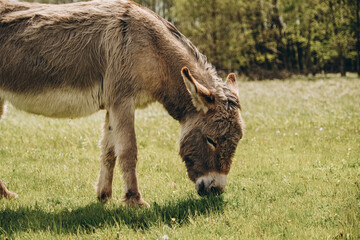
{"x": 74, "y": 59}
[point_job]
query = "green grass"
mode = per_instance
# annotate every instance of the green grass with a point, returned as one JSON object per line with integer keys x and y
{"x": 296, "y": 173}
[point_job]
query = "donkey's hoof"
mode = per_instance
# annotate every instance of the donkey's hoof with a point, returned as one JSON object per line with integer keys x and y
{"x": 105, "y": 197}
{"x": 136, "y": 202}
{"x": 10, "y": 195}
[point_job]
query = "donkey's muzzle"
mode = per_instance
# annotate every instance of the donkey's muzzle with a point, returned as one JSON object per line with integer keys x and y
{"x": 202, "y": 190}
{"x": 212, "y": 183}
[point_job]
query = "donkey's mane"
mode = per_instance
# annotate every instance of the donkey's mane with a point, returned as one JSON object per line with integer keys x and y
{"x": 191, "y": 47}
{"x": 221, "y": 88}
{"x": 194, "y": 51}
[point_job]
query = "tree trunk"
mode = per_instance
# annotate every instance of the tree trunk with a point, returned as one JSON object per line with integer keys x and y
{"x": 308, "y": 63}
{"x": 342, "y": 63}
{"x": 214, "y": 33}
{"x": 287, "y": 56}
{"x": 153, "y": 7}
{"x": 299, "y": 56}
{"x": 338, "y": 44}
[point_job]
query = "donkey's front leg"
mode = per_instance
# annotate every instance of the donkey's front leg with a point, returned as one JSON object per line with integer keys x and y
{"x": 122, "y": 122}
{"x": 108, "y": 159}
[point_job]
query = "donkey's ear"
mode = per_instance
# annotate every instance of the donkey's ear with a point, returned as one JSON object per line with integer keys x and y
{"x": 202, "y": 98}
{"x": 231, "y": 82}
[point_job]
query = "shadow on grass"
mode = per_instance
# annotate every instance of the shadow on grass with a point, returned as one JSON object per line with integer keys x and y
{"x": 93, "y": 216}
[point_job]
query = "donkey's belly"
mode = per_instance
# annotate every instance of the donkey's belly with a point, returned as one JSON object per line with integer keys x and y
{"x": 64, "y": 103}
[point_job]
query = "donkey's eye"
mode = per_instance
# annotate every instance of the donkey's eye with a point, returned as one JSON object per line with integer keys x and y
{"x": 211, "y": 142}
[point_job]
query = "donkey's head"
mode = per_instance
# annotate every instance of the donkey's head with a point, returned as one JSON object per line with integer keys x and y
{"x": 209, "y": 137}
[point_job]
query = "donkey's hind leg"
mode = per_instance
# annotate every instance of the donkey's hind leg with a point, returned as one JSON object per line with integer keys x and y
{"x": 4, "y": 192}
{"x": 2, "y": 107}
{"x": 108, "y": 159}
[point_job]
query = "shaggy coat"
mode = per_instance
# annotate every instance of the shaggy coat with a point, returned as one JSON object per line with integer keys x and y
{"x": 72, "y": 60}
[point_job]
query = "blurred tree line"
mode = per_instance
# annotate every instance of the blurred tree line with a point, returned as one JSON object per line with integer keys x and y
{"x": 268, "y": 38}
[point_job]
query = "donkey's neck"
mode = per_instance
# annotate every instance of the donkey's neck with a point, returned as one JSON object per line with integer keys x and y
{"x": 173, "y": 93}
{"x": 174, "y": 96}
{"x": 160, "y": 65}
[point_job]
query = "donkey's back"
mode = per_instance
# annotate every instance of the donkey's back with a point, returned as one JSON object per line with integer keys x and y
{"x": 52, "y": 57}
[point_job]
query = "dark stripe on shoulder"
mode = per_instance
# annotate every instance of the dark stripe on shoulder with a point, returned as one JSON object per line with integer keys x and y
{"x": 124, "y": 22}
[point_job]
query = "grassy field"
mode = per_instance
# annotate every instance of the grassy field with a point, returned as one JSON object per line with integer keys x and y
{"x": 296, "y": 173}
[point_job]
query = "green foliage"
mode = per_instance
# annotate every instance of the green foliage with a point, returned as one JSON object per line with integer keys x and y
{"x": 297, "y": 36}
{"x": 295, "y": 174}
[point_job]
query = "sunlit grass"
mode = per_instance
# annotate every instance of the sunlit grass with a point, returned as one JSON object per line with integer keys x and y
{"x": 296, "y": 173}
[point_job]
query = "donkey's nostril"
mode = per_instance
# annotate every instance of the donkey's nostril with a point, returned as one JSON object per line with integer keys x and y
{"x": 215, "y": 190}
{"x": 201, "y": 190}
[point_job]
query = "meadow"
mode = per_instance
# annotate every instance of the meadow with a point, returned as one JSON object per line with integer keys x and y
{"x": 295, "y": 175}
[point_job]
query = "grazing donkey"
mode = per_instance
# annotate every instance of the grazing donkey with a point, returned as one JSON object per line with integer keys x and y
{"x": 72, "y": 60}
